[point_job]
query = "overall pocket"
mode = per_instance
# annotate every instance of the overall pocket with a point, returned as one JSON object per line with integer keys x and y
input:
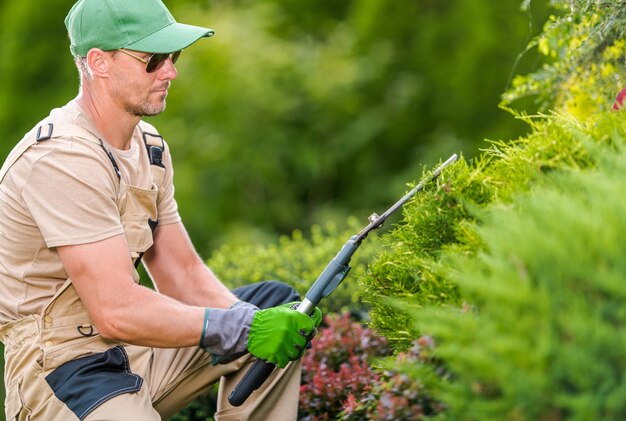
{"x": 139, "y": 207}
{"x": 86, "y": 383}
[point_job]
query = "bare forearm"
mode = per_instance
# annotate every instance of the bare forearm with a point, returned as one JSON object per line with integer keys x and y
{"x": 198, "y": 286}
{"x": 180, "y": 273}
{"x": 123, "y": 310}
{"x": 147, "y": 318}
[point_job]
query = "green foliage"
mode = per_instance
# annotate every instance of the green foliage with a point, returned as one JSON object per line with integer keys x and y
{"x": 298, "y": 261}
{"x": 36, "y": 66}
{"x": 444, "y": 217}
{"x": 514, "y": 260}
{"x": 585, "y": 50}
{"x": 541, "y": 337}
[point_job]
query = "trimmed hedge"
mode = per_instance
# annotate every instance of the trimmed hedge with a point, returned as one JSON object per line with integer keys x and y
{"x": 539, "y": 332}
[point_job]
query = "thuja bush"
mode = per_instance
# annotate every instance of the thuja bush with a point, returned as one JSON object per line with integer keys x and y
{"x": 443, "y": 217}
{"x": 524, "y": 323}
{"x": 542, "y": 335}
{"x": 298, "y": 260}
{"x": 517, "y": 268}
{"x": 513, "y": 262}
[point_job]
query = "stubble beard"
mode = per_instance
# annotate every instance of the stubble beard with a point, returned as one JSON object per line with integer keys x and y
{"x": 145, "y": 109}
{"x": 137, "y": 106}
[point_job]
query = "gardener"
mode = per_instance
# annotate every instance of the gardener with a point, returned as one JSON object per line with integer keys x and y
{"x": 84, "y": 197}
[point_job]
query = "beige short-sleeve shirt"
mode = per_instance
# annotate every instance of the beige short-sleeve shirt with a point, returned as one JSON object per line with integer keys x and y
{"x": 64, "y": 191}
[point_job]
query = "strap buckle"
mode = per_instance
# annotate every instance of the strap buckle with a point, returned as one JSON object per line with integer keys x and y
{"x": 40, "y": 137}
{"x": 155, "y": 154}
{"x": 155, "y": 146}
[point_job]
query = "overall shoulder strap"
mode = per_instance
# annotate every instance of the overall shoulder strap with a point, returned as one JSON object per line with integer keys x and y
{"x": 54, "y": 130}
{"x": 155, "y": 146}
{"x": 45, "y": 131}
{"x": 41, "y": 133}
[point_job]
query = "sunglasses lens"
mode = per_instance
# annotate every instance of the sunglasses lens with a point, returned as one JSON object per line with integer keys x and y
{"x": 157, "y": 60}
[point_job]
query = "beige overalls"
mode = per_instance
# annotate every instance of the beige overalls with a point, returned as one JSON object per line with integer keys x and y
{"x": 58, "y": 367}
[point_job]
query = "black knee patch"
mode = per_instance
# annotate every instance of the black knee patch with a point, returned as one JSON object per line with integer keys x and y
{"x": 85, "y": 383}
{"x": 267, "y": 294}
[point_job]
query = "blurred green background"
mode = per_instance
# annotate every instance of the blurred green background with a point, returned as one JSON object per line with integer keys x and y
{"x": 299, "y": 112}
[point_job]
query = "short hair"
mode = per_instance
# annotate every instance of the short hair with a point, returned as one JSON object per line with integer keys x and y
{"x": 83, "y": 68}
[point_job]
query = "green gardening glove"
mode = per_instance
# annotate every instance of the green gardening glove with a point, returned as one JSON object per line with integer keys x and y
{"x": 280, "y": 334}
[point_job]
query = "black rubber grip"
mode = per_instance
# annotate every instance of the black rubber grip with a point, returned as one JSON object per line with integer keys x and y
{"x": 251, "y": 381}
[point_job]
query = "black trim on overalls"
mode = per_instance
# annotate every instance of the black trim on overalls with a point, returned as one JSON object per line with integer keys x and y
{"x": 112, "y": 159}
{"x": 86, "y": 383}
{"x": 155, "y": 155}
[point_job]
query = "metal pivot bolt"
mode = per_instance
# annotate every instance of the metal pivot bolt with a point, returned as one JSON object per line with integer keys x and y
{"x": 373, "y": 217}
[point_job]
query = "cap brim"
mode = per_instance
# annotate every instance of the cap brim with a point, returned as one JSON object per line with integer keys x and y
{"x": 174, "y": 37}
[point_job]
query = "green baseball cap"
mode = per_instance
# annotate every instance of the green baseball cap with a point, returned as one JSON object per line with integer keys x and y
{"x": 141, "y": 25}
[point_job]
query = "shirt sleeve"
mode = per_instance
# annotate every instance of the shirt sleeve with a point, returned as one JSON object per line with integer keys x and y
{"x": 167, "y": 206}
{"x": 71, "y": 196}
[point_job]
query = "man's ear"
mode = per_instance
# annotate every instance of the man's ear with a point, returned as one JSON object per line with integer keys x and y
{"x": 99, "y": 62}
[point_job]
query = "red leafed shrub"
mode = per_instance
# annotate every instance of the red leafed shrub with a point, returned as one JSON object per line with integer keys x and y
{"x": 338, "y": 382}
{"x": 336, "y": 368}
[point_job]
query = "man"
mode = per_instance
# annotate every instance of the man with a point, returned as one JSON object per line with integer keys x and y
{"x": 84, "y": 197}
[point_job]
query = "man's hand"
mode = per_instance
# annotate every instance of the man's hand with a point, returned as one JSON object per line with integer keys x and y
{"x": 280, "y": 334}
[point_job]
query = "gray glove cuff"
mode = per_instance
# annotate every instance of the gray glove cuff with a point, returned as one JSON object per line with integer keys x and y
{"x": 243, "y": 304}
{"x": 226, "y": 331}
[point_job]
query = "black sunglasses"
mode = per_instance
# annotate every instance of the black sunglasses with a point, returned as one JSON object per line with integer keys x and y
{"x": 156, "y": 60}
